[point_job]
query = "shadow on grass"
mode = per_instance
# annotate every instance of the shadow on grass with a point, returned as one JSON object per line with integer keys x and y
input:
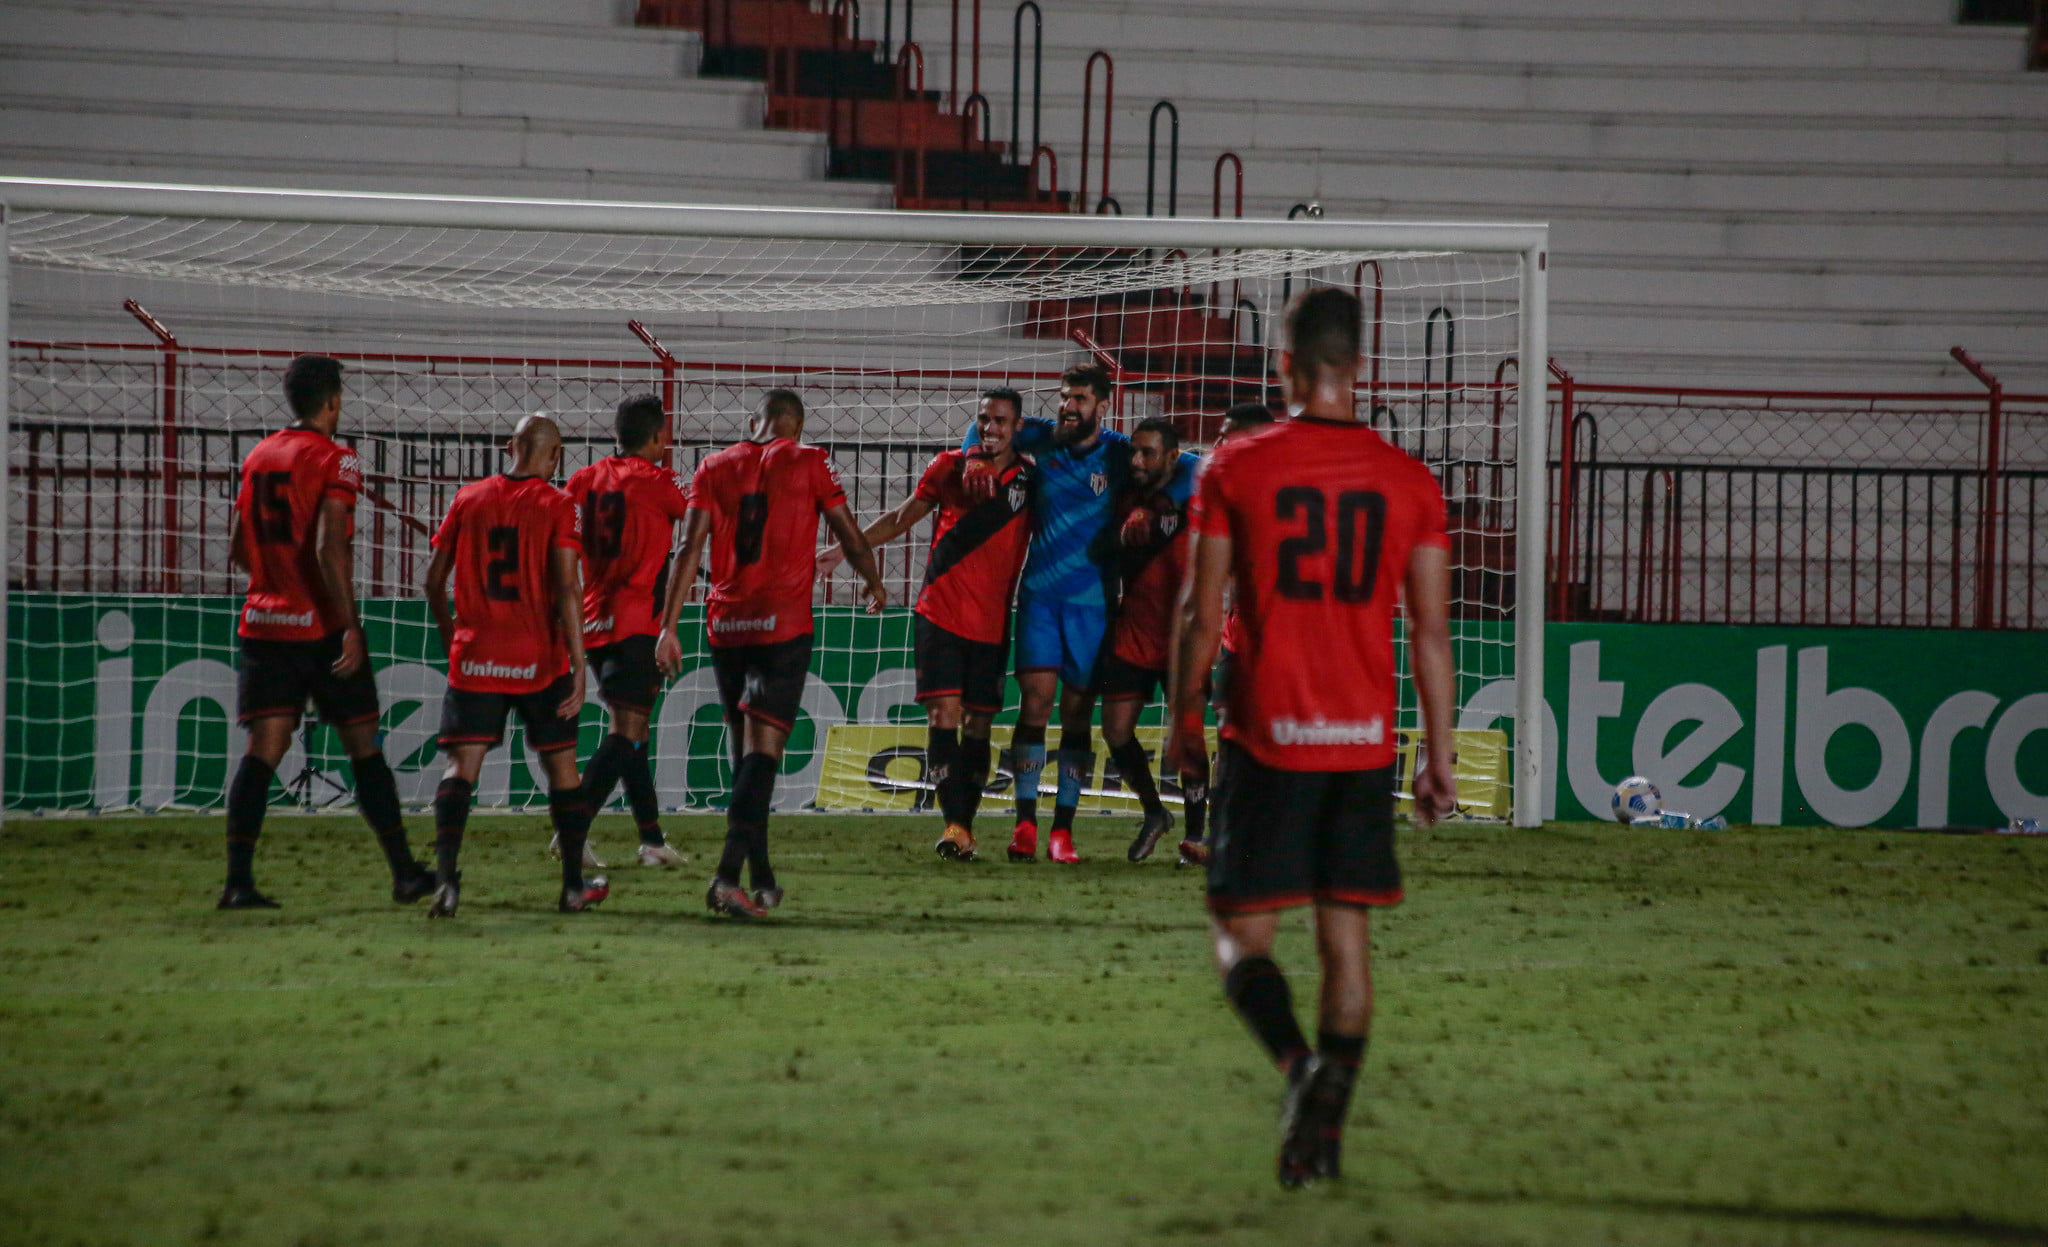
{"x": 1960, "y": 1226}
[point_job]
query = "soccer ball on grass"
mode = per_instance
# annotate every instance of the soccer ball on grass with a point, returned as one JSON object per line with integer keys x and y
{"x": 1636, "y": 797}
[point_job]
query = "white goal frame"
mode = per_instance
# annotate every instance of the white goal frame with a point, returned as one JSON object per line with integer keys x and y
{"x": 1529, "y": 243}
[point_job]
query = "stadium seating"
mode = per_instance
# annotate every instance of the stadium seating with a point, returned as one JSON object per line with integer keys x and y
{"x": 1824, "y": 193}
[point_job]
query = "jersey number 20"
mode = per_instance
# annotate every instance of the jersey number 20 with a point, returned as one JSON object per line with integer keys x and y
{"x": 1361, "y": 525}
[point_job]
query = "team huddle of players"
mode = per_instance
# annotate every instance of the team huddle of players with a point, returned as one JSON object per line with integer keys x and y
{"x": 1103, "y": 560}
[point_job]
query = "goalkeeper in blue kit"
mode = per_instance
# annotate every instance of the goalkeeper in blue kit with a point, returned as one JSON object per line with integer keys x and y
{"x": 1066, "y": 598}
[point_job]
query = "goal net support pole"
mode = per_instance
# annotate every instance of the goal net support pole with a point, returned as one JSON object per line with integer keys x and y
{"x": 1305, "y": 245}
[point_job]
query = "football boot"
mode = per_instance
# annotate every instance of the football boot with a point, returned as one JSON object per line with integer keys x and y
{"x": 1024, "y": 842}
{"x": 731, "y": 900}
{"x": 446, "y": 897}
{"x": 1059, "y": 847}
{"x": 593, "y": 892}
{"x": 1192, "y": 853}
{"x": 768, "y": 898}
{"x": 660, "y": 855}
{"x": 235, "y": 896}
{"x": 414, "y": 885}
{"x": 957, "y": 844}
{"x": 590, "y": 861}
{"x": 1156, "y": 826}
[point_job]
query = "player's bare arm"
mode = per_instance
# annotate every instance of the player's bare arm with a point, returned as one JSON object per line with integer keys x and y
{"x": 1427, "y": 594}
{"x": 885, "y": 529}
{"x": 1197, "y": 634}
{"x": 438, "y": 569}
{"x": 682, "y": 573}
{"x": 335, "y": 557}
{"x": 859, "y": 555}
{"x": 565, "y": 577}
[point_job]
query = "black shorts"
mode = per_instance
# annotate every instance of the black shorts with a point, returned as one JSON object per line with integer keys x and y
{"x": 950, "y": 665}
{"x": 1119, "y": 679}
{"x": 276, "y": 678}
{"x": 627, "y": 677}
{"x": 473, "y": 718}
{"x": 1285, "y": 838}
{"x": 764, "y": 682}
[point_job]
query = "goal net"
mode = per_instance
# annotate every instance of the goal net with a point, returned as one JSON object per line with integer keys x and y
{"x": 149, "y": 328}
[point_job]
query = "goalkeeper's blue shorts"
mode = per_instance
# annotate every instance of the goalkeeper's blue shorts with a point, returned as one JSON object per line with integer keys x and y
{"x": 1066, "y": 637}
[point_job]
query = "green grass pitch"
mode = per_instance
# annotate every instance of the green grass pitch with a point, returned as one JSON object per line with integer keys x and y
{"x": 1586, "y": 1034}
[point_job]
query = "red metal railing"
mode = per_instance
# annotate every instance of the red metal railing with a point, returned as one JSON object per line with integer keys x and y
{"x": 1668, "y": 504}
{"x": 1087, "y": 127}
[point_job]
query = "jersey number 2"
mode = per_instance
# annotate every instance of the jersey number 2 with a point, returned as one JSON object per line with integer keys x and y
{"x": 501, "y": 574}
{"x": 746, "y": 538}
{"x": 1361, "y": 525}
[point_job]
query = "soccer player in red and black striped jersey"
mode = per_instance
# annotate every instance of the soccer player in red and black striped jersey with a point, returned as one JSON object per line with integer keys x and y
{"x": 630, "y": 503}
{"x": 300, "y": 636}
{"x": 963, "y": 611}
{"x": 756, "y": 506}
{"x": 1319, "y": 526}
{"x": 1147, "y": 545}
{"x": 514, "y": 643}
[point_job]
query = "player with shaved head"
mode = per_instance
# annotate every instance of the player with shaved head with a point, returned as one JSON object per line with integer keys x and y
{"x": 1319, "y": 528}
{"x": 515, "y": 644}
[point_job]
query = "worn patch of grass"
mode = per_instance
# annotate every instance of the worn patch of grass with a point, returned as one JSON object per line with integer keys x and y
{"x": 1586, "y": 1034}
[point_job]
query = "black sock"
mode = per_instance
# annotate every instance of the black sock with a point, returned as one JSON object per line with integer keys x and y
{"x": 753, "y": 791}
{"x": 974, "y": 764}
{"x": 607, "y": 765}
{"x": 571, "y": 812}
{"x": 1346, "y": 1053}
{"x": 1258, "y": 990}
{"x": 1194, "y": 793}
{"x": 746, "y": 821}
{"x": 1077, "y": 773}
{"x": 451, "y": 815}
{"x": 1028, "y": 735}
{"x": 639, "y": 780}
{"x": 1346, "y": 1049}
{"x": 942, "y": 769}
{"x": 248, "y": 795}
{"x": 377, "y": 800}
{"x": 1136, "y": 770}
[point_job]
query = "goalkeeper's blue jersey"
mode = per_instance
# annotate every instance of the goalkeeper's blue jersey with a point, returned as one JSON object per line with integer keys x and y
{"x": 1075, "y": 498}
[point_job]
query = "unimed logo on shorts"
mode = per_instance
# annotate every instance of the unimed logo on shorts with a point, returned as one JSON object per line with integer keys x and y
{"x": 499, "y": 670}
{"x": 1324, "y": 732}
{"x": 744, "y": 625}
{"x": 599, "y": 625}
{"x": 280, "y": 619}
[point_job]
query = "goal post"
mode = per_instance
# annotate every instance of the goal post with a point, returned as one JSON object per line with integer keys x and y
{"x": 454, "y": 315}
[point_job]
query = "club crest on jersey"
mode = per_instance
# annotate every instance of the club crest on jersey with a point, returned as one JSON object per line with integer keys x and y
{"x": 1167, "y": 524}
{"x": 1017, "y": 497}
{"x": 1098, "y": 481}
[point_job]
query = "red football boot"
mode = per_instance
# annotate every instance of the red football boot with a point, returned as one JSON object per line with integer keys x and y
{"x": 1024, "y": 842}
{"x": 1060, "y": 847}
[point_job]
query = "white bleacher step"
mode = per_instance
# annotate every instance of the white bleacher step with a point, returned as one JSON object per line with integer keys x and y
{"x": 230, "y": 82}
{"x": 1278, "y": 33}
{"x": 581, "y": 13}
{"x": 1819, "y": 294}
{"x": 1253, "y": 128}
{"x": 1621, "y": 90}
{"x": 293, "y": 35}
{"x": 1521, "y": 189}
{"x": 398, "y": 139}
{"x": 1768, "y": 12}
{"x": 181, "y": 82}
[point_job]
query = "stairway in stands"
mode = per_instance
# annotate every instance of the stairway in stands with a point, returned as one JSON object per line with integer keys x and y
{"x": 880, "y": 118}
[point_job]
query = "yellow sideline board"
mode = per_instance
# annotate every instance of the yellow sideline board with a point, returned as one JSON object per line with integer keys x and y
{"x": 881, "y": 767}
